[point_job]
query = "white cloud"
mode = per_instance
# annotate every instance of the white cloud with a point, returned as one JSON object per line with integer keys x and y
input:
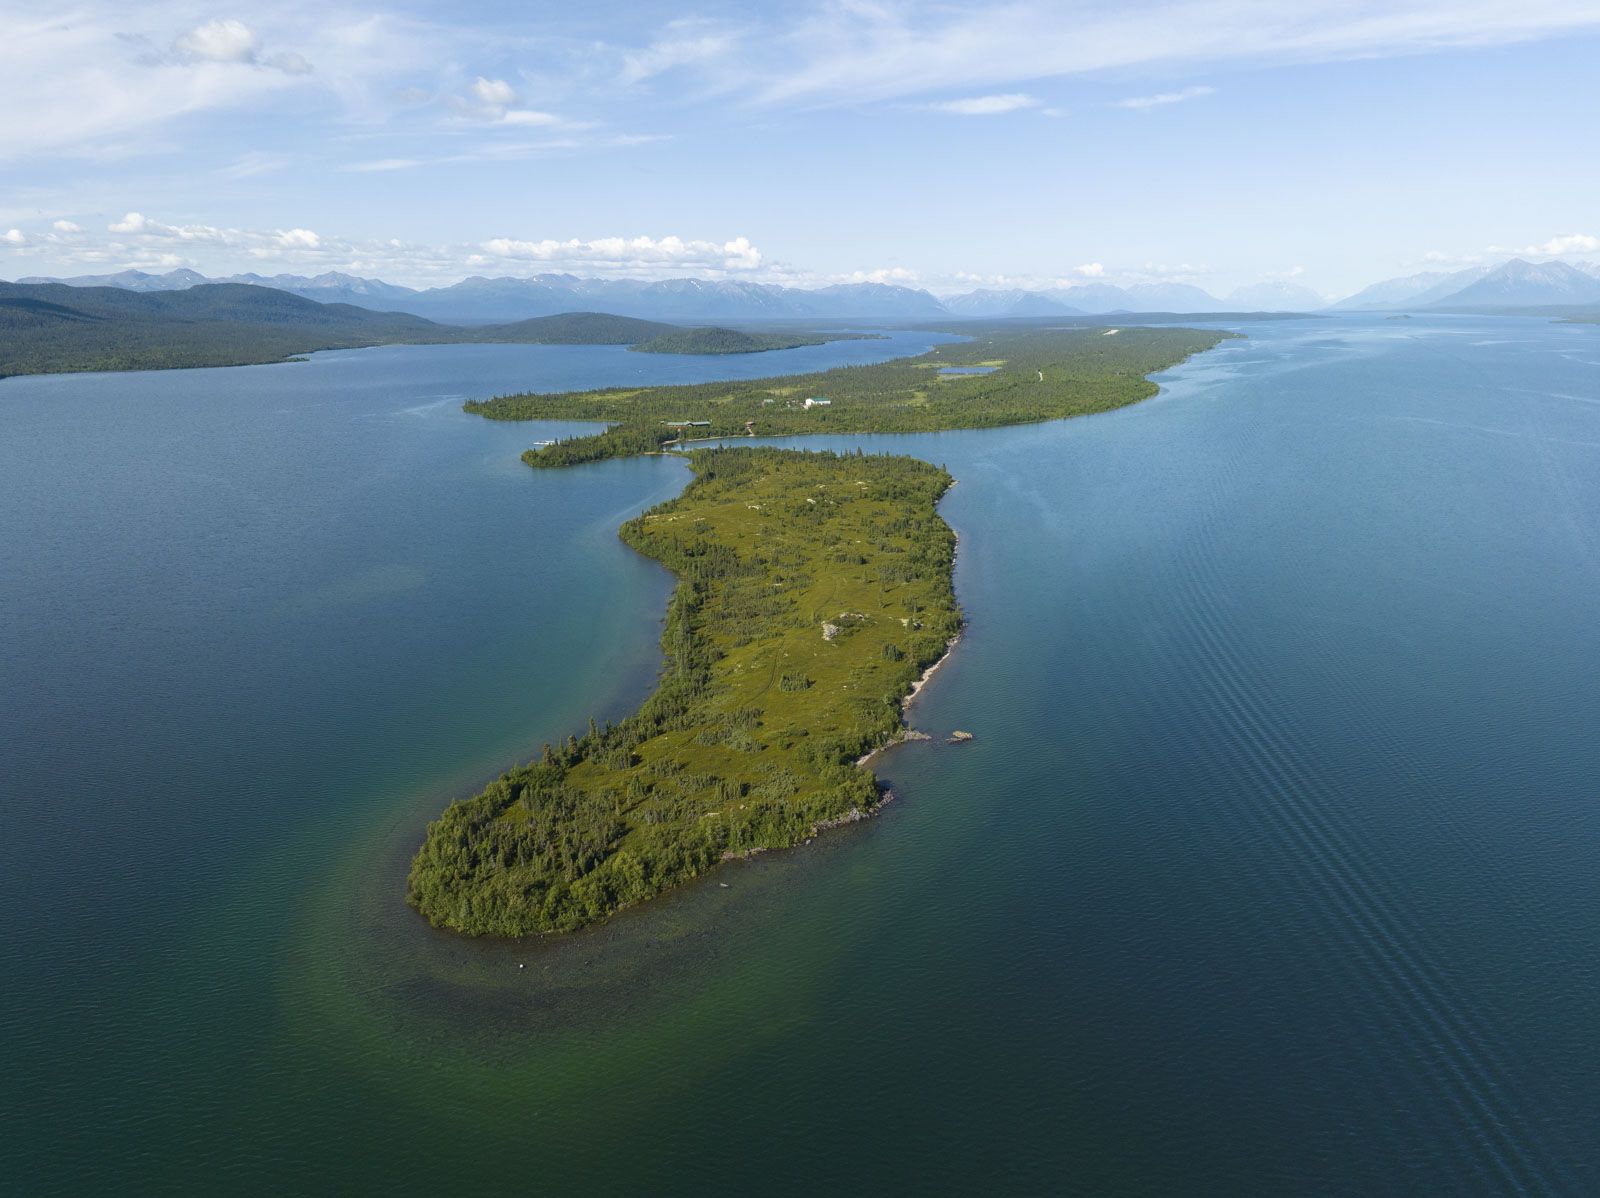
{"x": 13, "y": 237}
{"x": 228, "y": 41}
{"x": 494, "y": 95}
{"x": 299, "y": 239}
{"x": 1556, "y": 247}
{"x": 66, "y": 226}
{"x": 219, "y": 41}
{"x": 630, "y": 254}
{"x": 495, "y": 100}
{"x": 985, "y": 105}
{"x": 1162, "y": 99}
{"x": 134, "y": 222}
{"x": 1571, "y": 243}
{"x": 884, "y": 274}
{"x": 1091, "y": 270}
{"x": 101, "y": 78}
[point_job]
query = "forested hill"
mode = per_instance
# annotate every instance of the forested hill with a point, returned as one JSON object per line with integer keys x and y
{"x": 48, "y": 328}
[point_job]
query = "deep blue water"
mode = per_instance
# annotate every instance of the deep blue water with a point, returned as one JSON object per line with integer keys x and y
{"x": 1272, "y": 868}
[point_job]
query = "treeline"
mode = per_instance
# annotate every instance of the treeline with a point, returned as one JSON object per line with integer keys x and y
{"x": 735, "y": 341}
{"x": 1042, "y": 374}
{"x": 812, "y": 591}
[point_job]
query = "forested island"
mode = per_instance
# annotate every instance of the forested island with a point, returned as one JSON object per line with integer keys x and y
{"x": 814, "y": 589}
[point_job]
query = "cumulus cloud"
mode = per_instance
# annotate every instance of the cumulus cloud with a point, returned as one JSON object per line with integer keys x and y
{"x": 298, "y": 239}
{"x": 148, "y": 233}
{"x": 1555, "y": 247}
{"x": 493, "y": 95}
{"x": 884, "y": 274}
{"x": 228, "y": 41}
{"x": 1162, "y": 99}
{"x": 1571, "y": 243}
{"x": 985, "y": 105}
{"x": 13, "y": 237}
{"x": 219, "y": 41}
{"x": 66, "y": 226}
{"x": 496, "y": 101}
{"x": 144, "y": 241}
{"x": 1091, "y": 270}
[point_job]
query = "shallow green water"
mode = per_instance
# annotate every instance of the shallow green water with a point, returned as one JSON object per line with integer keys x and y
{"x": 1271, "y": 869}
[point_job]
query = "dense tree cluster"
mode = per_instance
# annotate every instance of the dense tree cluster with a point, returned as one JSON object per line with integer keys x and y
{"x": 735, "y": 341}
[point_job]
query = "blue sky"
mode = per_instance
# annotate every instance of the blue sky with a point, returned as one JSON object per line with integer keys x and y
{"x": 948, "y": 145}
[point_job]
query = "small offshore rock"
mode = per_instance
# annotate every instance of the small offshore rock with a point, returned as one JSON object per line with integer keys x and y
{"x": 959, "y": 738}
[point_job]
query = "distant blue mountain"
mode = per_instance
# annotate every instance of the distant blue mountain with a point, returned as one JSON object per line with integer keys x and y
{"x": 478, "y": 299}
{"x": 1521, "y": 284}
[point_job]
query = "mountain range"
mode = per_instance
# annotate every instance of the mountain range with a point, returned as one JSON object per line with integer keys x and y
{"x": 494, "y": 300}
{"x": 1514, "y": 284}
{"x": 483, "y": 300}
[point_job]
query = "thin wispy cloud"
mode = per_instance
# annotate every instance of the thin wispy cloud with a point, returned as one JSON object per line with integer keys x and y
{"x": 683, "y": 43}
{"x": 984, "y": 105}
{"x": 848, "y": 52}
{"x": 1162, "y": 99}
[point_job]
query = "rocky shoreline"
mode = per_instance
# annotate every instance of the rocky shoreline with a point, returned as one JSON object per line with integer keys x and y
{"x": 907, "y": 733}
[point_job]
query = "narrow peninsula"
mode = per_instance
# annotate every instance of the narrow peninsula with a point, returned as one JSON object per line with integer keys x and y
{"x": 814, "y": 590}
{"x": 1036, "y": 374}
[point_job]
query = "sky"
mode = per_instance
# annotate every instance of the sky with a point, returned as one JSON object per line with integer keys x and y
{"x": 948, "y": 145}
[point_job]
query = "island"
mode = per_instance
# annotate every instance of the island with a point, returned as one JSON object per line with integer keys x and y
{"x": 736, "y": 341}
{"x": 815, "y": 592}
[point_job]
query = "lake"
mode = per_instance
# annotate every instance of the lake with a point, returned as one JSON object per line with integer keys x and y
{"x": 1271, "y": 868}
